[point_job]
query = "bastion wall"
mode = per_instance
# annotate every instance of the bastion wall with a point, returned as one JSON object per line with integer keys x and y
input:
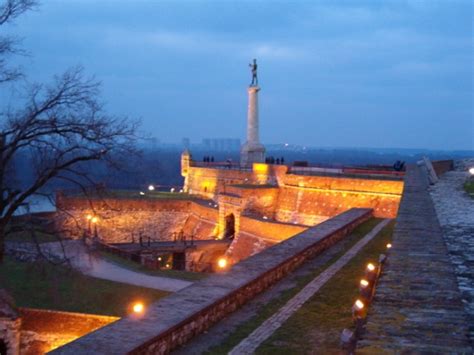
{"x": 271, "y": 191}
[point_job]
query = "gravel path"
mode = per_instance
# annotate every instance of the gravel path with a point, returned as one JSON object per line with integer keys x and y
{"x": 95, "y": 266}
{"x": 455, "y": 210}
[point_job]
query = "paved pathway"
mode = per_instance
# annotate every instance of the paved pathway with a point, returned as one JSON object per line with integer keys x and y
{"x": 455, "y": 210}
{"x": 417, "y": 306}
{"x": 268, "y": 327}
{"x": 97, "y": 267}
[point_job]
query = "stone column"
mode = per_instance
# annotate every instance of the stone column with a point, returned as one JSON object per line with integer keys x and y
{"x": 252, "y": 116}
{"x": 252, "y": 151}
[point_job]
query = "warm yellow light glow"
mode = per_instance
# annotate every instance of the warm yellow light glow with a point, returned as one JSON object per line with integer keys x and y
{"x": 89, "y": 217}
{"x": 167, "y": 265}
{"x": 138, "y": 308}
{"x": 260, "y": 168}
{"x": 370, "y": 267}
{"x": 359, "y": 304}
{"x": 94, "y": 220}
{"x": 222, "y": 263}
{"x": 151, "y": 188}
{"x": 389, "y": 246}
{"x": 364, "y": 283}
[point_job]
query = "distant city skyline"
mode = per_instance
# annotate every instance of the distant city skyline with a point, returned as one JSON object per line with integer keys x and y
{"x": 346, "y": 74}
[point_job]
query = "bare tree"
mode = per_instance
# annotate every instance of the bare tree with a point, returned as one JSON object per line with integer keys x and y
{"x": 62, "y": 126}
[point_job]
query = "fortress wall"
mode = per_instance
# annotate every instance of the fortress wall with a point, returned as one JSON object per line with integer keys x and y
{"x": 311, "y": 199}
{"x": 175, "y": 319}
{"x": 442, "y": 166}
{"x": 260, "y": 201}
{"x": 301, "y": 199}
{"x": 118, "y": 219}
{"x": 272, "y": 231}
{"x": 45, "y": 330}
{"x": 256, "y": 235}
{"x": 362, "y": 183}
{"x": 209, "y": 181}
{"x": 311, "y": 206}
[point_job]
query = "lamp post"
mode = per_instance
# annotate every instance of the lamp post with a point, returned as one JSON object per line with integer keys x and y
{"x": 89, "y": 217}
{"x": 94, "y": 221}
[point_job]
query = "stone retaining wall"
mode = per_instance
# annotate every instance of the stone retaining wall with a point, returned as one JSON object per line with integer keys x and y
{"x": 417, "y": 306}
{"x": 177, "y": 318}
{"x": 44, "y": 330}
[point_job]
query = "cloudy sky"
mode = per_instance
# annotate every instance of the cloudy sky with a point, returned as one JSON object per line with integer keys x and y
{"x": 333, "y": 73}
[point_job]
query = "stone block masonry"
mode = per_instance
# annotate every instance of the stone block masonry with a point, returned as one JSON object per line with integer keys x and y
{"x": 178, "y": 317}
{"x": 417, "y": 305}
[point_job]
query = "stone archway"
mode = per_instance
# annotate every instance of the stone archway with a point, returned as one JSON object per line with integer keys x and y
{"x": 229, "y": 227}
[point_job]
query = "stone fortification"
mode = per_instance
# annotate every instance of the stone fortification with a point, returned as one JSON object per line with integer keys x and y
{"x": 175, "y": 319}
{"x": 44, "y": 330}
{"x": 275, "y": 192}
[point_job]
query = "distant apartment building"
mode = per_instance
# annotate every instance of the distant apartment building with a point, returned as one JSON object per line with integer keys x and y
{"x": 221, "y": 144}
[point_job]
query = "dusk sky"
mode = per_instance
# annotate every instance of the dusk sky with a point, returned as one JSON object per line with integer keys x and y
{"x": 333, "y": 73}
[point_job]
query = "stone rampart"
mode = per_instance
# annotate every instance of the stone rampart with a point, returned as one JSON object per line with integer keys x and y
{"x": 45, "y": 330}
{"x": 177, "y": 318}
{"x": 442, "y": 166}
{"x": 120, "y": 220}
{"x": 417, "y": 306}
{"x": 295, "y": 198}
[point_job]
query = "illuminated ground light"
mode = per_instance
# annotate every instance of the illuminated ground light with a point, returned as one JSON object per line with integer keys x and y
{"x": 358, "y": 305}
{"x": 364, "y": 283}
{"x": 89, "y": 217}
{"x": 370, "y": 267}
{"x": 151, "y": 188}
{"x": 94, "y": 219}
{"x": 172, "y": 189}
{"x": 142, "y": 193}
{"x": 358, "y": 310}
{"x": 138, "y": 308}
{"x": 222, "y": 263}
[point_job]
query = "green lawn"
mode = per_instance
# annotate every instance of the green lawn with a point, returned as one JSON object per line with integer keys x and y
{"x": 318, "y": 324}
{"x": 26, "y": 236}
{"x": 42, "y": 285}
{"x": 469, "y": 187}
{"x": 271, "y": 307}
{"x": 131, "y": 265}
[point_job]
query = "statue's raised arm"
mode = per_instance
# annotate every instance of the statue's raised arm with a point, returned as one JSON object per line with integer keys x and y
{"x": 254, "y": 73}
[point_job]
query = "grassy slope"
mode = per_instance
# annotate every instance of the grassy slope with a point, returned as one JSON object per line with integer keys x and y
{"x": 318, "y": 324}
{"x": 131, "y": 265}
{"x": 41, "y": 285}
{"x": 271, "y": 307}
{"x": 26, "y": 236}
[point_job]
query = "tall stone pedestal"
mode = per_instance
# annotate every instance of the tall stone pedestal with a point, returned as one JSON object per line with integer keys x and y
{"x": 252, "y": 151}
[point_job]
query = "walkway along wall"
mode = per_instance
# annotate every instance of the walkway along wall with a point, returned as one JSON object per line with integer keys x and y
{"x": 177, "y": 318}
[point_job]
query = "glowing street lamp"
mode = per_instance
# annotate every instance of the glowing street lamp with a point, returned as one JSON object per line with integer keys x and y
{"x": 222, "y": 263}
{"x": 138, "y": 308}
{"x": 389, "y": 246}
{"x": 89, "y": 218}
{"x": 151, "y": 188}
{"x": 471, "y": 170}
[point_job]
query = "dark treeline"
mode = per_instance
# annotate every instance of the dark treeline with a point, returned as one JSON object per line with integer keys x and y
{"x": 161, "y": 167}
